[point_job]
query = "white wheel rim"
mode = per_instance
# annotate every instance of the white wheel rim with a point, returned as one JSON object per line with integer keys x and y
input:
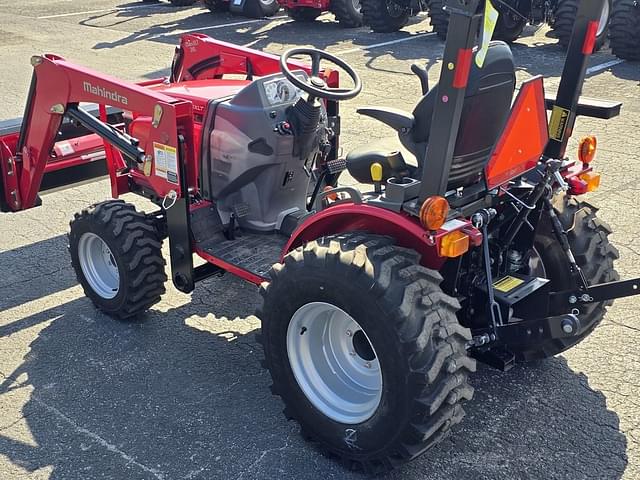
{"x": 604, "y": 18}
{"x": 98, "y": 265}
{"x": 334, "y": 363}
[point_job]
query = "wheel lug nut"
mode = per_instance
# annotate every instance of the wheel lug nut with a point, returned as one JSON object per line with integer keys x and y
{"x": 349, "y": 333}
{"x": 352, "y": 353}
{"x": 367, "y": 364}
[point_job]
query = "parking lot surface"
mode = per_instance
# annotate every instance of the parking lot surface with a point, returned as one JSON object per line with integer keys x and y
{"x": 180, "y": 394}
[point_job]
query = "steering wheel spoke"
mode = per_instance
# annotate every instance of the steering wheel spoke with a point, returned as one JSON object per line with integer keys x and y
{"x": 315, "y": 85}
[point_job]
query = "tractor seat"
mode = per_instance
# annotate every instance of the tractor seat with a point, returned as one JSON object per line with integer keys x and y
{"x": 487, "y": 105}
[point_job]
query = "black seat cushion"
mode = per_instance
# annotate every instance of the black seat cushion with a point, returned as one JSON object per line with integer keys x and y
{"x": 486, "y": 108}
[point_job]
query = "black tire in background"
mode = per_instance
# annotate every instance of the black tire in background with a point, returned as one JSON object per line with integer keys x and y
{"x": 384, "y": 16}
{"x": 261, "y": 8}
{"x": 135, "y": 247}
{"x": 182, "y": 3}
{"x": 304, "y": 14}
{"x": 438, "y": 18}
{"x": 565, "y": 17}
{"x": 413, "y": 331}
{"x": 217, "y": 5}
{"x": 588, "y": 237}
{"x": 347, "y": 12}
{"x": 508, "y": 27}
{"x": 624, "y": 29}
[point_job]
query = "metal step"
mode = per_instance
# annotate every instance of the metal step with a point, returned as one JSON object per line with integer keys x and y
{"x": 254, "y": 252}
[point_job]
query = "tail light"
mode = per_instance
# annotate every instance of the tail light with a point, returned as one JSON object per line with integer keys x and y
{"x": 587, "y": 149}
{"x": 433, "y": 212}
{"x": 454, "y": 244}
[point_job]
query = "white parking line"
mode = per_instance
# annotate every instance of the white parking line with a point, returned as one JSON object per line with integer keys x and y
{"x": 114, "y": 9}
{"x": 383, "y": 44}
{"x": 214, "y": 27}
{"x": 602, "y": 66}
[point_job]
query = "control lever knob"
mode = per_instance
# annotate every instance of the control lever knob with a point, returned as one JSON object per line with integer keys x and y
{"x": 421, "y": 73}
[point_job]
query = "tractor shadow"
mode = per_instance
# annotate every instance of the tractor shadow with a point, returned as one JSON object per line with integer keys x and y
{"x": 180, "y": 394}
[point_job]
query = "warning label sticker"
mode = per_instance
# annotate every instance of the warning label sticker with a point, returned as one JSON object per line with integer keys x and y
{"x": 166, "y": 162}
{"x": 506, "y": 284}
{"x": 558, "y": 122}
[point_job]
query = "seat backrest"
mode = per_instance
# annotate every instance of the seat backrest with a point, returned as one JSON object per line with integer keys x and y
{"x": 486, "y": 108}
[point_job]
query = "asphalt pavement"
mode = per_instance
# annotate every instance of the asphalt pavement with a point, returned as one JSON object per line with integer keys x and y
{"x": 180, "y": 394}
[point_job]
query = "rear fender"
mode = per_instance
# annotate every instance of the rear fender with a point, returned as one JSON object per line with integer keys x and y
{"x": 406, "y": 230}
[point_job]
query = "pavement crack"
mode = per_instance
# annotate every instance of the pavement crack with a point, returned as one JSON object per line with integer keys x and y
{"x": 101, "y": 441}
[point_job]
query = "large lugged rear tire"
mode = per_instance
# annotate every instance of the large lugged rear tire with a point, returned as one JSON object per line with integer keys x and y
{"x": 588, "y": 237}
{"x": 365, "y": 349}
{"x": 384, "y": 16}
{"x": 625, "y": 29}
{"x": 347, "y": 12}
{"x": 565, "y": 16}
{"x": 116, "y": 254}
{"x": 438, "y": 18}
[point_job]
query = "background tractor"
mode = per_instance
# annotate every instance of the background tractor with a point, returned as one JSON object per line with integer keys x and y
{"x": 468, "y": 241}
{"x": 391, "y": 15}
{"x": 346, "y": 12}
{"x": 248, "y": 8}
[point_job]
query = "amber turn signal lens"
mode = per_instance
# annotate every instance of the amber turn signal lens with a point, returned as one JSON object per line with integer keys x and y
{"x": 454, "y": 244}
{"x": 592, "y": 179}
{"x": 587, "y": 149}
{"x": 433, "y": 212}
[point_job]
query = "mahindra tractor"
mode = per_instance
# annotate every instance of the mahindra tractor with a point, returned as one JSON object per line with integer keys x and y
{"x": 469, "y": 239}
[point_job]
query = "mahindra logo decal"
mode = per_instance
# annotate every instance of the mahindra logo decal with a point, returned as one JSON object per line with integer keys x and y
{"x": 104, "y": 93}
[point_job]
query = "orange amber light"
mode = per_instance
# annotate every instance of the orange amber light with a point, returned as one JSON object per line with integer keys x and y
{"x": 592, "y": 179}
{"x": 433, "y": 212}
{"x": 587, "y": 149}
{"x": 454, "y": 244}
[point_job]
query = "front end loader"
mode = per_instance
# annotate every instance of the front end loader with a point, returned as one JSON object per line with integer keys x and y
{"x": 470, "y": 239}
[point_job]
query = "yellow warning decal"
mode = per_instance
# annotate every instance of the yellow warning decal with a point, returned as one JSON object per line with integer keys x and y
{"x": 506, "y": 284}
{"x": 558, "y": 122}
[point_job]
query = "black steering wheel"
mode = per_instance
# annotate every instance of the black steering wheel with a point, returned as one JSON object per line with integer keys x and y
{"x": 316, "y": 86}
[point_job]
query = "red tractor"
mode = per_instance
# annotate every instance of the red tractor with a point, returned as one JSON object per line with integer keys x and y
{"x": 346, "y": 12}
{"x": 474, "y": 243}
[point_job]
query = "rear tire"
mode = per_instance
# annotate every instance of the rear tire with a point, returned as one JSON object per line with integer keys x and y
{"x": 348, "y": 13}
{"x": 384, "y": 16}
{"x": 304, "y": 14}
{"x": 588, "y": 237}
{"x": 565, "y": 17}
{"x": 625, "y": 29}
{"x": 414, "y": 342}
{"x": 217, "y": 6}
{"x": 116, "y": 254}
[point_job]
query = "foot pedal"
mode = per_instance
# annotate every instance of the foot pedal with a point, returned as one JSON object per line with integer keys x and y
{"x": 337, "y": 165}
{"x": 241, "y": 209}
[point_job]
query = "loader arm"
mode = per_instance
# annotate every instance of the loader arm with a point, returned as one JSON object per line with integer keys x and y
{"x": 57, "y": 89}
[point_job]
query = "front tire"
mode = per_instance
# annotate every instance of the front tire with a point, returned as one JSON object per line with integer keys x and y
{"x": 588, "y": 238}
{"x": 384, "y": 16}
{"x": 116, "y": 254}
{"x": 348, "y": 13}
{"x": 509, "y": 27}
{"x": 438, "y": 18}
{"x": 304, "y": 14}
{"x": 365, "y": 349}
